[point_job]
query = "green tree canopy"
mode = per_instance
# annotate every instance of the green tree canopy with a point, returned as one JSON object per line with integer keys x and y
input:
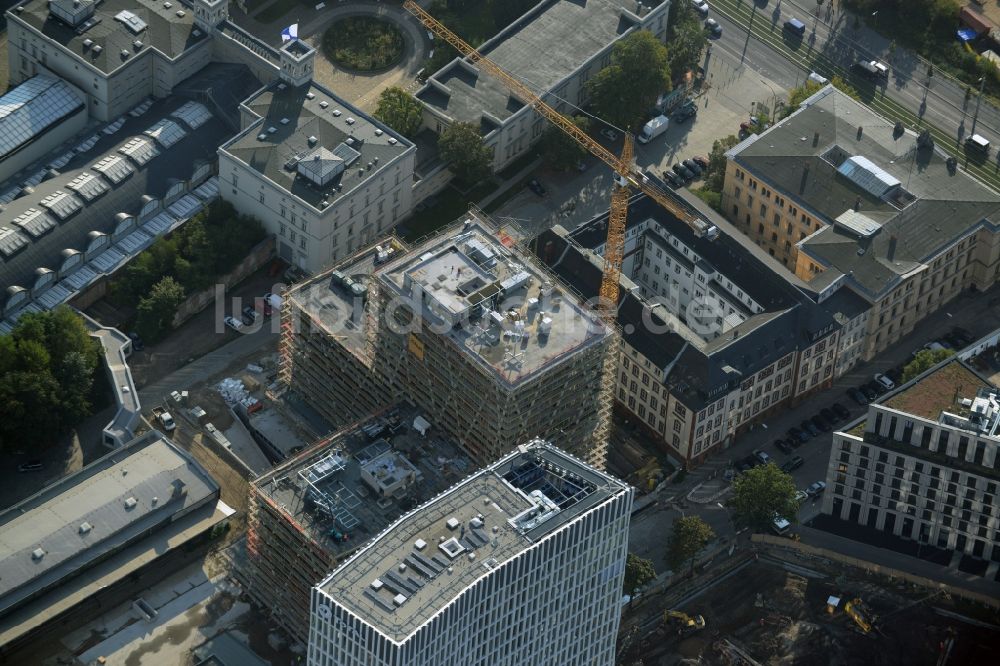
{"x": 638, "y": 572}
{"x": 843, "y": 86}
{"x": 462, "y": 147}
{"x": 716, "y": 172}
{"x": 798, "y": 95}
{"x": 561, "y": 151}
{"x": 686, "y": 39}
{"x": 687, "y": 538}
{"x": 623, "y": 92}
{"x": 761, "y": 492}
{"x": 155, "y": 313}
{"x": 399, "y": 110}
{"x": 47, "y": 368}
{"x": 925, "y": 359}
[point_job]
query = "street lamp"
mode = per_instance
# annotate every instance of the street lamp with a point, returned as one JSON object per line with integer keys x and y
{"x": 774, "y": 98}
{"x": 975, "y": 116}
{"x": 729, "y": 516}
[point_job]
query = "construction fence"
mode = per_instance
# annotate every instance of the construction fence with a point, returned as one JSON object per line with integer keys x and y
{"x": 878, "y": 569}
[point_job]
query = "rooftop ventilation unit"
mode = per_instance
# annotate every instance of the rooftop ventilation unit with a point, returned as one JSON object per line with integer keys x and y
{"x": 87, "y": 43}
{"x": 37, "y": 554}
{"x": 336, "y": 113}
{"x": 378, "y": 132}
{"x": 124, "y": 53}
{"x": 137, "y": 44}
{"x": 180, "y": 13}
{"x": 281, "y": 86}
{"x": 131, "y": 21}
{"x": 377, "y": 584}
{"x": 262, "y": 136}
{"x": 85, "y": 527}
{"x": 350, "y": 121}
{"x": 130, "y": 503}
{"x": 452, "y": 523}
{"x": 420, "y": 544}
{"x": 167, "y": 5}
{"x": 399, "y": 599}
{"x": 312, "y": 140}
{"x": 392, "y": 140}
{"x": 310, "y": 95}
{"x": 71, "y": 12}
{"x": 196, "y": 33}
{"x": 284, "y": 121}
{"x": 97, "y": 49}
{"x": 323, "y": 104}
{"x": 452, "y": 548}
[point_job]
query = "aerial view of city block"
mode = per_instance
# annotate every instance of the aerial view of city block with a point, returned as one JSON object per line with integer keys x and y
{"x": 500, "y": 333}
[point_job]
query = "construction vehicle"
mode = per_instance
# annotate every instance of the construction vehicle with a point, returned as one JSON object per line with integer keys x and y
{"x": 627, "y": 175}
{"x": 164, "y": 418}
{"x": 649, "y": 474}
{"x": 684, "y": 623}
{"x": 861, "y": 614}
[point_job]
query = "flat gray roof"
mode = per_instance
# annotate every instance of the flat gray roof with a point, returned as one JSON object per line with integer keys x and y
{"x": 163, "y": 30}
{"x": 449, "y": 543}
{"x": 527, "y": 322}
{"x": 87, "y": 515}
{"x": 542, "y": 48}
{"x": 295, "y": 121}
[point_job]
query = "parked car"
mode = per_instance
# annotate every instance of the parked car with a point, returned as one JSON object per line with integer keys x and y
{"x": 886, "y": 383}
{"x": 692, "y": 167}
{"x": 801, "y": 496}
{"x": 700, "y": 6}
{"x": 783, "y": 446}
{"x": 30, "y": 466}
{"x": 858, "y": 396}
{"x": 872, "y": 390}
{"x": 797, "y": 435}
{"x": 701, "y": 161}
{"x": 965, "y": 337}
{"x": 250, "y": 315}
{"x": 840, "y": 410}
{"x": 762, "y": 456}
{"x": 137, "y": 344}
{"x": 816, "y": 489}
{"x": 793, "y": 463}
{"x": 828, "y": 414}
{"x": 264, "y": 307}
{"x": 713, "y": 28}
{"x": 685, "y": 111}
{"x": 682, "y": 171}
{"x": 609, "y": 134}
{"x": 673, "y": 179}
{"x": 743, "y": 465}
{"x": 233, "y": 323}
{"x": 808, "y": 426}
{"x": 821, "y": 423}
{"x": 536, "y": 187}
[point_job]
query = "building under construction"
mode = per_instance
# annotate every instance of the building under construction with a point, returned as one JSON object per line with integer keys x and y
{"x": 315, "y": 509}
{"x": 465, "y": 325}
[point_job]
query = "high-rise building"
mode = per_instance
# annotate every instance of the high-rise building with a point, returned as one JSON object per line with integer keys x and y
{"x": 465, "y": 325}
{"x": 519, "y": 564}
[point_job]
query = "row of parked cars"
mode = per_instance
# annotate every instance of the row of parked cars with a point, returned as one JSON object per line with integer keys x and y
{"x": 821, "y": 422}
{"x": 252, "y": 313}
{"x": 684, "y": 172}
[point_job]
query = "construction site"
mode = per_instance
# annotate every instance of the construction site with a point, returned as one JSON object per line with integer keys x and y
{"x": 316, "y": 508}
{"x": 469, "y": 327}
{"x": 775, "y": 606}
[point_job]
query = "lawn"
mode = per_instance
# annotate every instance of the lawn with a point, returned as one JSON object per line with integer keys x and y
{"x": 363, "y": 43}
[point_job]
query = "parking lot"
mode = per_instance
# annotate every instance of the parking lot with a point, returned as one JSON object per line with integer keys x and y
{"x": 729, "y": 95}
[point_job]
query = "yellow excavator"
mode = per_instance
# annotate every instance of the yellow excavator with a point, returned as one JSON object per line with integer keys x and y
{"x": 684, "y": 623}
{"x": 862, "y": 615}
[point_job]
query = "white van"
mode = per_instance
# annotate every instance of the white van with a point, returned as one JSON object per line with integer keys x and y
{"x": 979, "y": 143}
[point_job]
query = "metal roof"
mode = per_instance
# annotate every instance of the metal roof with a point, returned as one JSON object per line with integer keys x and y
{"x": 31, "y": 108}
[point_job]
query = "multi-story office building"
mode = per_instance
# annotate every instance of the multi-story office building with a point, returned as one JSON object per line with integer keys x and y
{"x": 556, "y": 47}
{"x": 324, "y": 178}
{"x": 715, "y": 335}
{"x": 843, "y": 197}
{"x": 924, "y": 463}
{"x": 520, "y": 564}
{"x": 466, "y": 326}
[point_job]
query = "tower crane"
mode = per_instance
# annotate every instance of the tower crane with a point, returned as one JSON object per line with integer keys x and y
{"x": 627, "y": 176}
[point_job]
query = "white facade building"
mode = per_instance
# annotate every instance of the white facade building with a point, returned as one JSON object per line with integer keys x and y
{"x": 520, "y": 564}
{"x": 925, "y": 464}
{"x": 324, "y": 178}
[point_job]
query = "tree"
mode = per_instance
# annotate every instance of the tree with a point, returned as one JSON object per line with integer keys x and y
{"x": 798, "y": 95}
{"x": 686, "y": 37}
{"x": 924, "y": 360}
{"x": 716, "y": 172}
{"x": 843, "y": 86}
{"x": 561, "y": 151}
{"x": 462, "y": 147}
{"x": 761, "y": 492}
{"x": 690, "y": 534}
{"x": 638, "y": 572}
{"x": 155, "y": 313}
{"x": 623, "y": 92}
{"x": 399, "y": 110}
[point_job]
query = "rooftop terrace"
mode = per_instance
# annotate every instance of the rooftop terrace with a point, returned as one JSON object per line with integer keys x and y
{"x": 323, "y": 489}
{"x": 495, "y": 302}
{"x": 939, "y": 391}
{"x": 428, "y": 557}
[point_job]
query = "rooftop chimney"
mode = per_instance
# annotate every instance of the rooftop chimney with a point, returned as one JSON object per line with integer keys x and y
{"x": 861, "y": 130}
{"x": 815, "y": 139}
{"x": 892, "y": 247}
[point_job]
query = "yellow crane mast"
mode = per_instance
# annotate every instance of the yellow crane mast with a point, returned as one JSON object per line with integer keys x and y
{"x": 627, "y": 176}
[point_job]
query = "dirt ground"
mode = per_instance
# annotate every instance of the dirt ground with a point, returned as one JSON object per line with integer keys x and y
{"x": 775, "y": 617}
